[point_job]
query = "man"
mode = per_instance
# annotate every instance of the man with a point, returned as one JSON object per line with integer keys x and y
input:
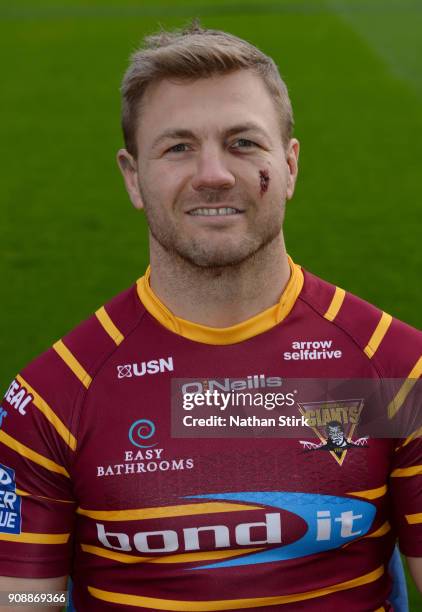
{"x": 96, "y": 485}
{"x": 336, "y": 440}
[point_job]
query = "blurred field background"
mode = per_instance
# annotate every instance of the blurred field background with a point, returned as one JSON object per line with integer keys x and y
{"x": 69, "y": 238}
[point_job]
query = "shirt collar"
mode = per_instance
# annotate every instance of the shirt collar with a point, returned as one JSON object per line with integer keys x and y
{"x": 258, "y": 324}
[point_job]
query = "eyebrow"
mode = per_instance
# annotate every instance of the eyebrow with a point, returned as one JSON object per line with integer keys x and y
{"x": 248, "y": 126}
{"x": 176, "y": 134}
{"x": 173, "y": 134}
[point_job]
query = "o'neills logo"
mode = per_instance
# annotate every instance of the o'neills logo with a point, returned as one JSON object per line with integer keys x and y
{"x": 312, "y": 350}
{"x": 154, "y": 366}
{"x": 253, "y": 381}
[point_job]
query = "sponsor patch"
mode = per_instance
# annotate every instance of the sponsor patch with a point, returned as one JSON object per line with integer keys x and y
{"x": 312, "y": 350}
{"x": 286, "y": 525}
{"x": 145, "y": 459}
{"x": 18, "y": 397}
{"x": 10, "y": 502}
{"x": 334, "y": 422}
{"x": 154, "y": 366}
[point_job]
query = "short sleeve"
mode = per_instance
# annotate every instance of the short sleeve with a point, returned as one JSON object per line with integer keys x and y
{"x": 37, "y": 508}
{"x": 406, "y": 490}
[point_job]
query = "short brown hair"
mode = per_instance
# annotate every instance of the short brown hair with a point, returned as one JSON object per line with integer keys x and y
{"x": 195, "y": 53}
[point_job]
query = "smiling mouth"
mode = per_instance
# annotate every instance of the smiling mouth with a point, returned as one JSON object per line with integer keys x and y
{"x": 214, "y": 212}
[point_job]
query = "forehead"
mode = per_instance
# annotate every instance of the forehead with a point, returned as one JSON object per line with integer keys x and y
{"x": 206, "y": 105}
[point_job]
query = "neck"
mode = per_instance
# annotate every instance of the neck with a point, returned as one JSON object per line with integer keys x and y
{"x": 220, "y": 297}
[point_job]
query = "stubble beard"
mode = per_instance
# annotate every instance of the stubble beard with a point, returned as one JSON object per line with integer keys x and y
{"x": 207, "y": 254}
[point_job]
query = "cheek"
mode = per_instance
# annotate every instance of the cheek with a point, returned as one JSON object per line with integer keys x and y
{"x": 166, "y": 182}
{"x": 154, "y": 185}
{"x": 271, "y": 183}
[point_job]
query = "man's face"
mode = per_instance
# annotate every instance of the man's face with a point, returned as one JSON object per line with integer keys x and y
{"x": 336, "y": 435}
{"x": 211, "y": 174}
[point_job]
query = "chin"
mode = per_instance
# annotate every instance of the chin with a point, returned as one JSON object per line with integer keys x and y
{"x": 211, "y": 259}
{"x": 205, "y": 253}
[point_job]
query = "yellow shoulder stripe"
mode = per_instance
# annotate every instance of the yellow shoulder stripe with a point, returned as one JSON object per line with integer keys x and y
{"x": 414, "y": 470}
{"x": 230, "y": 604}
{"x": 416, "y": 434}
{"x": 414, "y": 519}
{"x": 416, "y": 371}
{"x": 51, "y": 416}
{"x": 378, "y": 335}
{"x": 397, "y": 402}
{"x": 71, "y": 361}
{"x": 137, "y": 514}
{"x": 335, "y": 304}
{"x": 25, "y": 451}
{"x": 105, "y": 320}
{"x": 371, "y": 493}
{"x": 36, "y": 538}
{"x": 196, "y": 557}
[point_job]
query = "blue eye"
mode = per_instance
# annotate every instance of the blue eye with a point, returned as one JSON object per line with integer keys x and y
{"x": 178, "y": 148}
{"x": 242, "y": 143}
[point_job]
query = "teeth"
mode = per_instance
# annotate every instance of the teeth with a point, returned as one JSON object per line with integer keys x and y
{"x": 214, "y": 211}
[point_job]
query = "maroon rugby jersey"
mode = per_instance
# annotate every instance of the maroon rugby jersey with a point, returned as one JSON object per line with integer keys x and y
{"x": 93, "y": 484}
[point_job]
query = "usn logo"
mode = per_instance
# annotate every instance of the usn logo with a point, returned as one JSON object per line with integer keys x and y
{"x": 154, "y": 366}
{"x": 326, "y": 522}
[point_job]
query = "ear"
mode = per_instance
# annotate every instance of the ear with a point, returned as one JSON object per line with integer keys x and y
{"x": 129, "y": 169}
{"x": 292, "y": 158}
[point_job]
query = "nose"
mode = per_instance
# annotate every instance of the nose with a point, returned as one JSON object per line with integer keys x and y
{"x": 211, "y": 171}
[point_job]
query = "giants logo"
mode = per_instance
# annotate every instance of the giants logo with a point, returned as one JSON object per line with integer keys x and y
{"x": 334, "y": 422}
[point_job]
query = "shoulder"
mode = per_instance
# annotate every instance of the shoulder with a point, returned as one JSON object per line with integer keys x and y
{"x": 394, "y": 347}
{"x": 84, "y": 349}
{"x": 60, "y": 376}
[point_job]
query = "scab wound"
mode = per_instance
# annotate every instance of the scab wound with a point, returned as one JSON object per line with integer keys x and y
{"x": 264, "y": 180}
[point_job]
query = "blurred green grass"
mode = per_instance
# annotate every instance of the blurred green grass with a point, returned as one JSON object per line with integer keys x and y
{"x": 69, "y": 237}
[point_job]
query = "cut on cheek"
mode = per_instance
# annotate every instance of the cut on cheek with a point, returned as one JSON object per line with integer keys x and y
{"x": 264, "y": 181}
